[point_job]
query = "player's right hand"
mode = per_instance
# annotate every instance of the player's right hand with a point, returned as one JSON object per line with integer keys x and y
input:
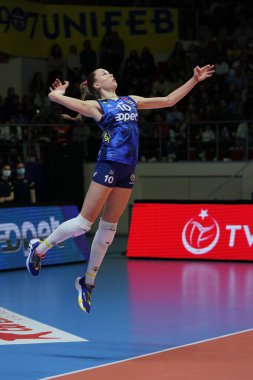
{"x": 59, "y": 87}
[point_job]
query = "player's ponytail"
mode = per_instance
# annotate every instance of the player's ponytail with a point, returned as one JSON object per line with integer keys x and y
{"x": 87, "y": 88}
{"x": 84, "y": 90}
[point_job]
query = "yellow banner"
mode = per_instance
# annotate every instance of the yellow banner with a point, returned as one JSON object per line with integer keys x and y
{"x": 29, "y": 30}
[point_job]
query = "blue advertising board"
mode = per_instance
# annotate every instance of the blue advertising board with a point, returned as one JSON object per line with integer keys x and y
{"x": 18, "y": 225}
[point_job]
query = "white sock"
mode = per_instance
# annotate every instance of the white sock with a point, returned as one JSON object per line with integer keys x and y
{"x": 71, "y": 228}
{"x": 102, "y": 239}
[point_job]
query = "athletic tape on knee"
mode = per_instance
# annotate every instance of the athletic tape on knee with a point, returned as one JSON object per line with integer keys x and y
{"x": 105, "y": 233}
{"x": 78, "y": 226}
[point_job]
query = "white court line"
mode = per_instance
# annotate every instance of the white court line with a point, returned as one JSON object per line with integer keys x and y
{"x": 152, "y": 353}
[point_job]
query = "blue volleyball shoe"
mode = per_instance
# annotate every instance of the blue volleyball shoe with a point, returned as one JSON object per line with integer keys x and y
{"x": 33, "y": 261}
{"x": 84, "y": 294}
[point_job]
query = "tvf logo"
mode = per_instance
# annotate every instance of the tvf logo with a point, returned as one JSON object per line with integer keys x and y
{"x": 201, "y": 234}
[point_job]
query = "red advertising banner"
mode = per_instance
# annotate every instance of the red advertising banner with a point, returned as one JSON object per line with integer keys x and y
{"x": 191, "y": 231}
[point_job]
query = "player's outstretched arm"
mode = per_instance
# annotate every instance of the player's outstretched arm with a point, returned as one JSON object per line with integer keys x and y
{"x": 89, "y": 108}
{"x": 200, "y": 74}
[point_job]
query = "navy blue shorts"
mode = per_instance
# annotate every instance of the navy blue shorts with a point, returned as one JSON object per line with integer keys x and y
{"x": 114, "y": 174}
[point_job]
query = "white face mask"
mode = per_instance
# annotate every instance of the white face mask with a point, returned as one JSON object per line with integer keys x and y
{"x": 21, "y": 171}
{"x": 6, "y": 173}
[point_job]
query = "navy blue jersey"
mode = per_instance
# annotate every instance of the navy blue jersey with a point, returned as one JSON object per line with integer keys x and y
{"x": 120, "y": 133}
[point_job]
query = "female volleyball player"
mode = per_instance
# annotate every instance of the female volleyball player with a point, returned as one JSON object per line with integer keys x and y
{"x": 114, "y": 174}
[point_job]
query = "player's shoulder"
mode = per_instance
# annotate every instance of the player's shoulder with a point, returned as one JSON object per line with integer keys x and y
{"x": 135, "y": 98}
{"x": 130, "y": 98}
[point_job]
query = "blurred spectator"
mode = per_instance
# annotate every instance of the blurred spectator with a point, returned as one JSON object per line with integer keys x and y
{"x": 225, "y": 142}
{"x": 177, "y": 55}
{"x": 147, "y": 63}
{"x": 174, "y": 80}
{"x": 19, "y": 117}
{"x": 24, "y": 187}
{"x": 234, "y": 51}
{"x": 10, "y": 95}
{"x": 222, "y": 111}
{"x": 248, "y": 99}
{"x": 80, "y": 135}
{"x": 10, "y": 105}
{"x": 243, "y": 32}
{"x": 217, "y": 15}
{"x": 215, "y": 94}
{"x": 221, "y": 66}
{"x": 31, "y": 145}
{"x": 191, "y": 114}
{"x": 42, "y": 108}
{"x": 238, "y": 76}
{"x": 143, "y": 144}
{"x": 88, "y": 59}
{"x": 160, "y": 135}
{"x": 236, "y": 106}
{"x": 28, "y": 107}
{"x": 160, "y": 86}
{"x": 202, "y": 49}
{"x": 192, "y": 54}
{"x": 250, "y": 134}
{"x": 111, "y": 54}
{"x": 62, "y": 131}
{"x": 14, "y": 137}
{"x": 207, "y": 113}
{"x": 56, "y": 64}
{"x": 37, "y": 84}
{"x": 3, "y": 140}
{"x": 73, "y": 65}
{"x": 241, "y": 135}
{"x": 118, "y": 52}
{"x": 207, "y": 143}
{"x": 6, "y": 186}
{"x": 105, "y": 52}
{"x": 1, "y": 109}
{"x": 250, "y": 54}
{"x": 231, "y": 89}
{"x": 173, "y": 114}
{"x": 172, "y": 144}
{"x": 133, "y": 86}
{"x": 130, "y": 70}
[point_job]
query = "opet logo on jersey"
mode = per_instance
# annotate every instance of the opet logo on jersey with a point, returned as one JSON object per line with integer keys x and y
{"x": 201, "y": 236}
{"x": 125, "y": 116}
{"x": 13, "y": 236}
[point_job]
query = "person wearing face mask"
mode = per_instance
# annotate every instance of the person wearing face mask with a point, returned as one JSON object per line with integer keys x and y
{"x": 6, "y": 186}
{"x": 24, "y": 187}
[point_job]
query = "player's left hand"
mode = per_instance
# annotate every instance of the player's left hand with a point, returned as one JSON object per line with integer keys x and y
{"x": 201, "y": 73}
{"x": 66, "y": 117}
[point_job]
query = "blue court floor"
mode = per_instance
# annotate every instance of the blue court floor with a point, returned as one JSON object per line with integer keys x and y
{"x": 138, "y": 307}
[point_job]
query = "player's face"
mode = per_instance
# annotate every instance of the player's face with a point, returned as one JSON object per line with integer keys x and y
{"x": 105, "y": 80}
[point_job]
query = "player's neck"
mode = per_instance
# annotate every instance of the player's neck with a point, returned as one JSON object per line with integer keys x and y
{"x": 109, "y": 95}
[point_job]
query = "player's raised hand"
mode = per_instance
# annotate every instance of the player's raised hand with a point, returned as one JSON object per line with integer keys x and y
{"x": 59, "y": 87}
{"x": 201, "y": 73}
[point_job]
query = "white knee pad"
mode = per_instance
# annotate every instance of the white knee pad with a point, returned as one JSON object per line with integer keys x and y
{"x": 105, "y": 233}
{"x": 78, "y": 226}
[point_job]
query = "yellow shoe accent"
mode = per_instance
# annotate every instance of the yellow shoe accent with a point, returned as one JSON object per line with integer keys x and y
{"x": 81, "y": 303}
